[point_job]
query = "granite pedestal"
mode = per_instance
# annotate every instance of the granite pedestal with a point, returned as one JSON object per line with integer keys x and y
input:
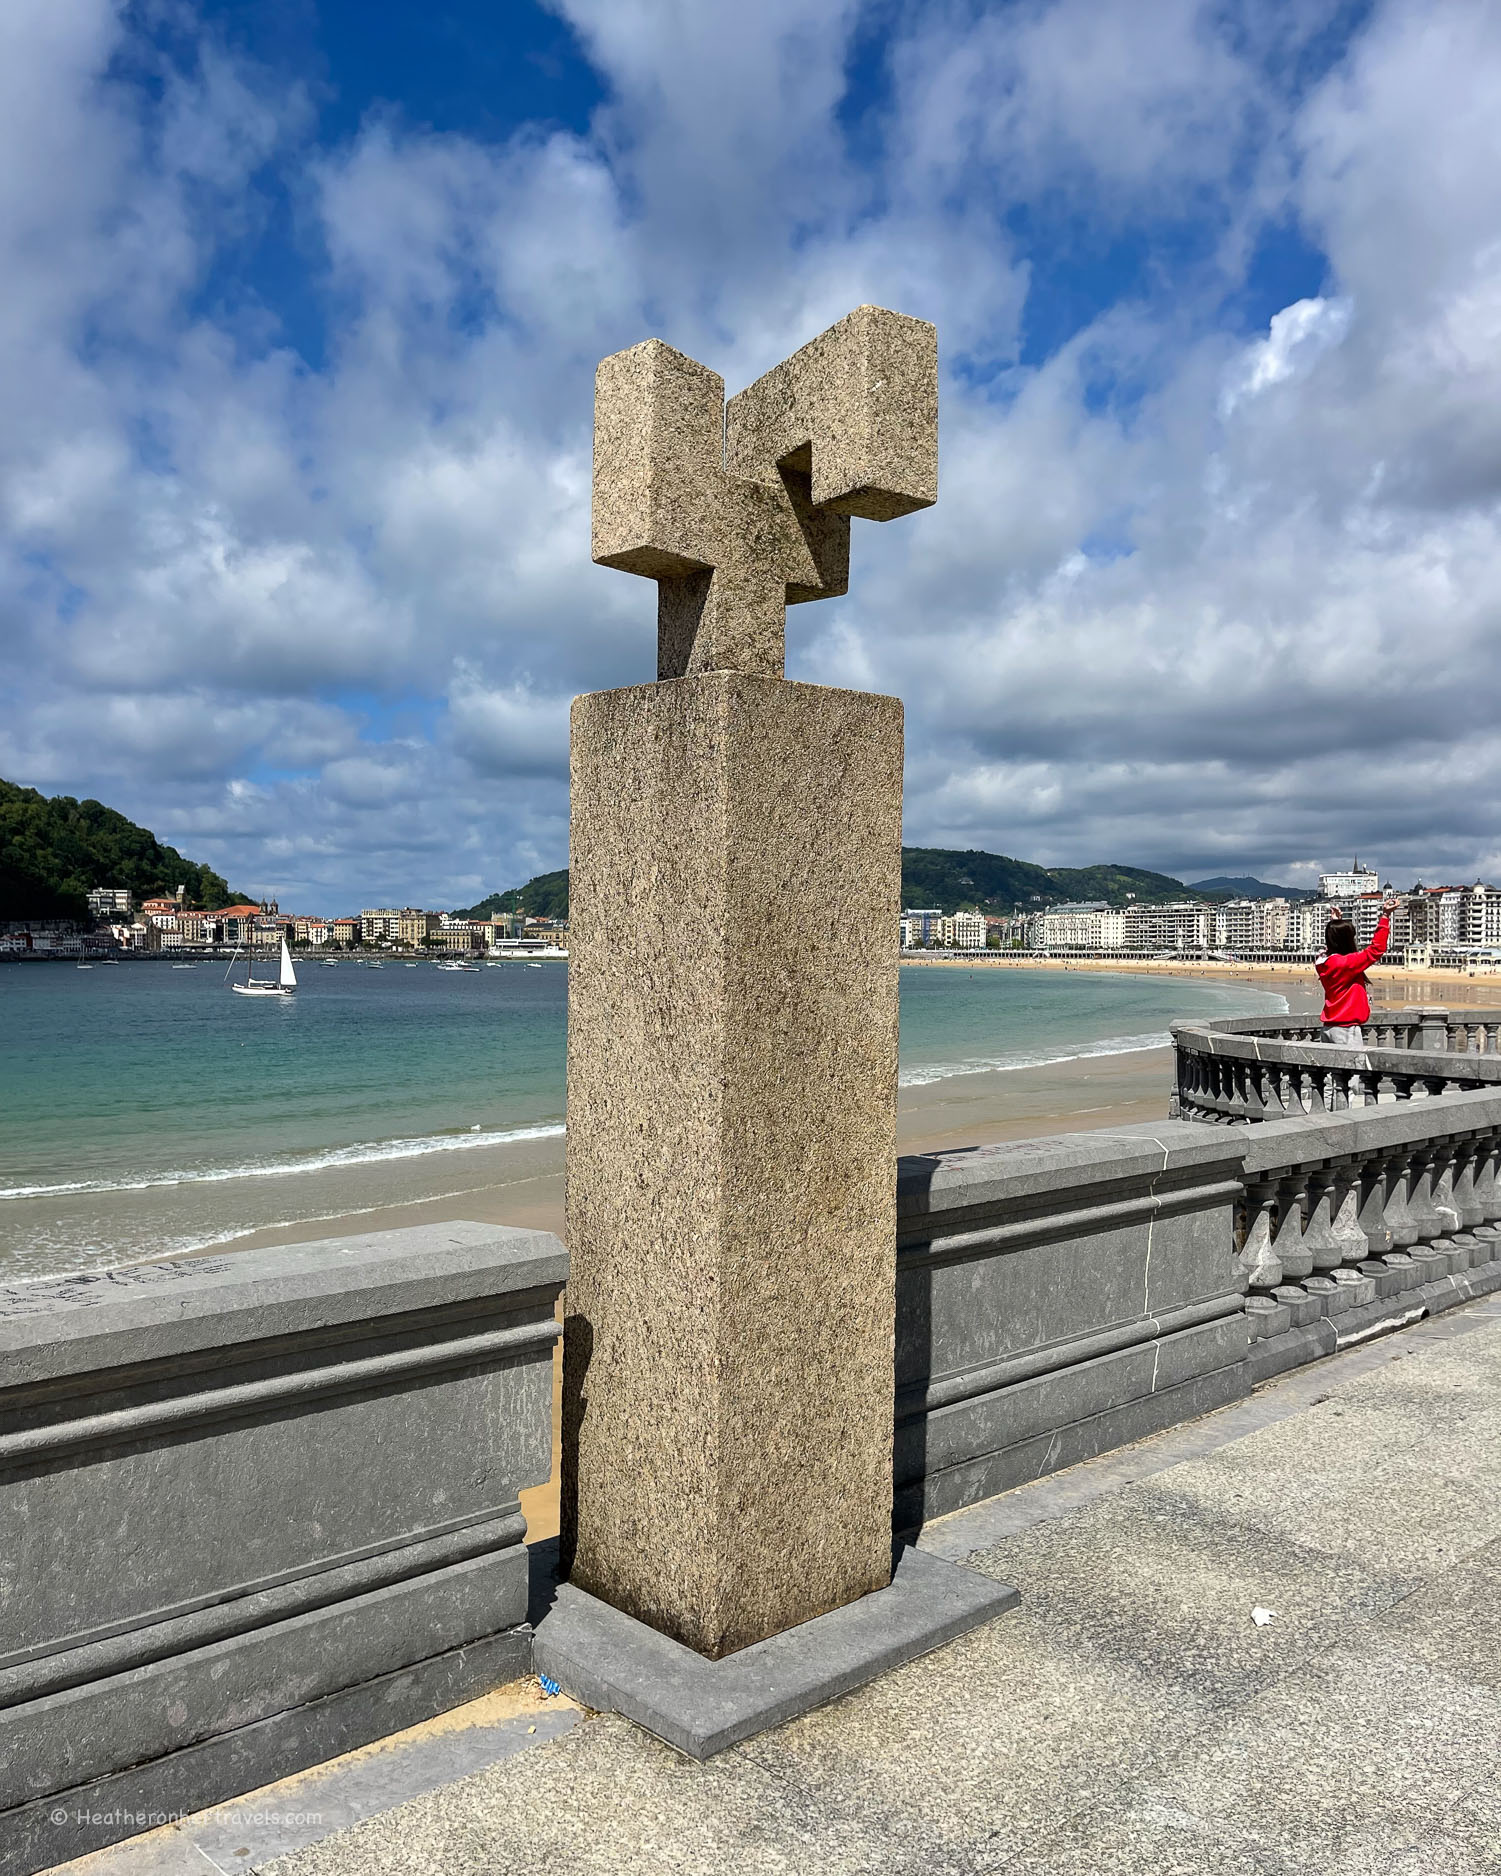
{"x": 732, "y": 1058}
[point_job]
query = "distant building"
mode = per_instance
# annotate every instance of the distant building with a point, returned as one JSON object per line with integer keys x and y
{"x": 460, "y": 935}
{"x": 1185, "y": 926}
{"x": 1252, "y": 924}
{"x": 969, "y": 931}
{"x": 1085, "y": 925}
{"x": 238, "y": 924}
{"x": 922, "y": 927}
{"x": 109, "y": 901}
{"x": 1341, "y": 886}
{"x": 417, "y": 927}
{"x": 346, "y": 931}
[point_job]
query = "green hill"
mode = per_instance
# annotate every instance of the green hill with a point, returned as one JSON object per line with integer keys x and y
{"x": 544, "y": 896}
{"x": 53, "y": 851}
{"x": 949, "y": 880}
{"x": 931, "y": 876}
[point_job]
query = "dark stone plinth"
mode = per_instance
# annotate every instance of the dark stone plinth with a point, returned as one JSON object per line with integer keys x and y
{"x": 611, "y": 1661}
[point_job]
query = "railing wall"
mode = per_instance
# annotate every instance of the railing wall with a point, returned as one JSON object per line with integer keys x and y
{"x": 1256, "y": 1069}
{"x": 258, "y": 1509}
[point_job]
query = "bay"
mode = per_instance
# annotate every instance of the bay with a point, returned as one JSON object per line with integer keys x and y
{"x": 145, "y": 1111}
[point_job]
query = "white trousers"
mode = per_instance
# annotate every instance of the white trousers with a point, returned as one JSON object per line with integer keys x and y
{"x": 1344, "y": 1035}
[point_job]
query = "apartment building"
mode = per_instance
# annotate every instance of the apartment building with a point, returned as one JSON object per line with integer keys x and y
{"x": 1253, "y": 924}
{"x": 111, "y": 902}
{"x": 1085, "y": 925}
{"x": 1185, "y": 926}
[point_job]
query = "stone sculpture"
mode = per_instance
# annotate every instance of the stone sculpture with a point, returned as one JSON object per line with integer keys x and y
{"x": 739, "y": 511}
{"x": 736, "y": 855}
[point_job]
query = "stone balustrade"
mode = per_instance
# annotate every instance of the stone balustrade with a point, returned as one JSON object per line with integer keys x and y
{"x": 1059, "y": 1297}
{"x": 1356, "y": 1221}
{"x": 1260, "y": 1069}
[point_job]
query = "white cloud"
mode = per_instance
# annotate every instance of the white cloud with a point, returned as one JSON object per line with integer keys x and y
{"x": 1191, "y": 596}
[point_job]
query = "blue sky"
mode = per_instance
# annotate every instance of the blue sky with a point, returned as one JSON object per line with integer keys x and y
{"x": 304, "y": 301}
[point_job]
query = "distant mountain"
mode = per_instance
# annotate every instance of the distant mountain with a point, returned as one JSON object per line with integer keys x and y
{"x": 544, "y": 896}
{"x": 53, "y": 851}
{"x": 931, "y": 876}
{"x": 1244, "y": 887}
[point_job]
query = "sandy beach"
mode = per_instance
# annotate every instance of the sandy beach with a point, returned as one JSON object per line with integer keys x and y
{"x": 961, "y": 1110}
{"x": 1391, "y": 985}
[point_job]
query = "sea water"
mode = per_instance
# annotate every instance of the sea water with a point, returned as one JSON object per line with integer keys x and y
{"x": 147, "y": 1111}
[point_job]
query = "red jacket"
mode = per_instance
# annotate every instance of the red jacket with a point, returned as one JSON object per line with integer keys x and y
{"x": 1342, "y": 974}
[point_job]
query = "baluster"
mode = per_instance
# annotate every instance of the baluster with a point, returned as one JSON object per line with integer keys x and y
{"x": 1346, "y": 1181}
{"x": 1399, "y": 1220}
{"x": 1372, "y": 1219}
{"x": 1487, "y": 1181}
{"x": 1445, "y": 1155}
{"x": 1424, "y": 1213}
{"x": 1258, "y": 1260}
{"x": 1325, "y": 1250}
{"x": 1469, "y": 1208}
{"x": 1338, "y": 1091}
{"x": 1296, "y": 1259}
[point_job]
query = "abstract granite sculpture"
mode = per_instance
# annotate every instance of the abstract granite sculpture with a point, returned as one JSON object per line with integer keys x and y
{"x": 735, "y": 855}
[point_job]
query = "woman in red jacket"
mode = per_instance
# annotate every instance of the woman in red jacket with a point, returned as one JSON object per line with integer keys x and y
{"x": 1347, "y": 1003}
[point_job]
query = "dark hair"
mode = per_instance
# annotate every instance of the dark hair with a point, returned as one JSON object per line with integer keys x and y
{"x": 1340, "y": 936}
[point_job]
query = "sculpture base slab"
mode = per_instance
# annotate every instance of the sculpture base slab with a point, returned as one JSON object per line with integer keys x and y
{"x": 610, "y": 1661}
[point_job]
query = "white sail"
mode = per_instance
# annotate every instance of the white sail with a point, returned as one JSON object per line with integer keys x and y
{"x": 288, "y": 975}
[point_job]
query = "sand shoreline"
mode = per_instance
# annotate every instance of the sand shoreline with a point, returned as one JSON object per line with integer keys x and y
{"x": 1392, "y": 976}
{"x": 1081, "y": 1094}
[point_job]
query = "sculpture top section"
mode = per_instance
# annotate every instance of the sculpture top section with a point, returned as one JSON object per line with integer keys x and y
{"x": 737, "y": 512}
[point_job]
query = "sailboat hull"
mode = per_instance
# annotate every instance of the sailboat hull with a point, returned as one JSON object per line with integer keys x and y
{"x": 263, "y": 990}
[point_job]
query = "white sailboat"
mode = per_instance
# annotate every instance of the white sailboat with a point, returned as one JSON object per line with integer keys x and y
{"x": 285, "y": 985}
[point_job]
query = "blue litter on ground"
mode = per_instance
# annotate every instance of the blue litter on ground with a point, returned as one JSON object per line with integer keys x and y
{"x": 549, "y": 1687}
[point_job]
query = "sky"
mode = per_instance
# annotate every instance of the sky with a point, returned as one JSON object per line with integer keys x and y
{"x": 302, "y": 305}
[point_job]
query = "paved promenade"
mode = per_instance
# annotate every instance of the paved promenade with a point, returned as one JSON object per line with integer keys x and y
{"x": 1131, "y": 1716}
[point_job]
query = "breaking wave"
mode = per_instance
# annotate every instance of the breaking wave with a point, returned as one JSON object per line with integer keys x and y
{"x": 364, "y": 1154}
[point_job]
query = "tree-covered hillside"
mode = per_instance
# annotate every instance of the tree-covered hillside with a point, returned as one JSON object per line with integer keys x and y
{"x": 545, "y": 896}
{"x": 53, "y": 851}
{"x": 949, "y": 880}
{"x": 931, "y": 876}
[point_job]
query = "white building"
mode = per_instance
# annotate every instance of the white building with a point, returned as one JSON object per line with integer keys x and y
{"x": 1306, "y": 922}
{"x": 1482, "y": 915}
{"x": 1088, "y": 925}
{"x": 105, "y": 901}
{"x": 969, "y": 931}
{"x": 1341, "y": 886}
{"x": 1185, "y": 926}
{"x": 922, "y": 926}
{"x": 1241, "y": 925}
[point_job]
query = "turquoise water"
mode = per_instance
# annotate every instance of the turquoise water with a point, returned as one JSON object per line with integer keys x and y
{"x": 145, "y": 1110}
